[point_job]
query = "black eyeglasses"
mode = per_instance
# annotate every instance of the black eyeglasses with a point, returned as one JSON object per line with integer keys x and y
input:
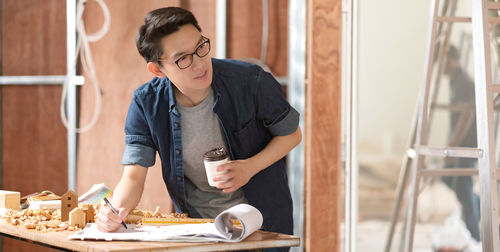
{"x": 187, "y": 60}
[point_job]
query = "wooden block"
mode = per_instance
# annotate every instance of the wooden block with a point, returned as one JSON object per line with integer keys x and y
{"x": 10, "y": 199}
{"x": 50, "y": 204}
{"x": 77, "y": 217}
{"x": 44, "y": 197}
{"x": 89, "y": 212}
{"x": 69, "y": 201}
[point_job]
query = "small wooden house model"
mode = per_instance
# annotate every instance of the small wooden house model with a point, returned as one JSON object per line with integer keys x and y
{"x": 69, "y": 201}
{"x": 77, "y": 217}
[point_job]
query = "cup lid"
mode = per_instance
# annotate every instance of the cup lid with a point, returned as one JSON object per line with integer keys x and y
{"x": 215, "y": 154}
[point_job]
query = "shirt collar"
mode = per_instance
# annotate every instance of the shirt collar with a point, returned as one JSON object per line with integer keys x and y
{"x": 215, "y": 87}
{"x": 171, "y": 96}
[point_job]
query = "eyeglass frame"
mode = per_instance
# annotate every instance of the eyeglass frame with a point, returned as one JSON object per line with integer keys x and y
{"x": 192, "y": 54}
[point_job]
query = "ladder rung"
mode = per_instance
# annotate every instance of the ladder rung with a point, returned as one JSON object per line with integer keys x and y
{"x": 454, "y": 19}
{"x": 443, "y": 19}
{"x": 459, "y": 107}
{"x": 493, "y": 5}
{"x": 449, "y": 151}
{"x": 454, "y": 107}
{"x": 453, "y": 172}
{"x": 495, "y": 88}
{"x": 493, "y": 20}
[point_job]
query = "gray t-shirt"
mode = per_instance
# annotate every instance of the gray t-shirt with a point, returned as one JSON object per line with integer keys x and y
{"x": 200, "y": 133}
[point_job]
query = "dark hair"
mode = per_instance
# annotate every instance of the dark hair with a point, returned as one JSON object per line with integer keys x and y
{"x": 158, "y": 24}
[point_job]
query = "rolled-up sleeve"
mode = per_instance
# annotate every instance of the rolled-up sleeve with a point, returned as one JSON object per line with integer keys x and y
{"x": 279, "y": 117}
{"x": 139, "y": 146}
{"x": 138, "y": 154}
{"x": 287, "y": 125}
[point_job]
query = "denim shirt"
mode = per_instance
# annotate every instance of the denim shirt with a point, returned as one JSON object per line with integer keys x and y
{"x": 251, "y": 109}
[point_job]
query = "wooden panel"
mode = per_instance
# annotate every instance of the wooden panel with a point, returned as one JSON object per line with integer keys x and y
{"x": 244, "y": 32}
{"x": 204, "y": 11}
{"x": 33, "y": 137}
{"x": 322, "y": 125}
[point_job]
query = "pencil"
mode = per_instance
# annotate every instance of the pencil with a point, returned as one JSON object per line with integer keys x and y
{"x": 114, "y": 210}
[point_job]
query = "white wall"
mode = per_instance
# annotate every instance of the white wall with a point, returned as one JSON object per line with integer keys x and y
{"x": 392, "y": 46}
{"x": 393, "y": 37}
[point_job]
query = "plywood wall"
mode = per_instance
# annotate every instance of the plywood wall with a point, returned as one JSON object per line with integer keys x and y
{"x": 34, "y": 156}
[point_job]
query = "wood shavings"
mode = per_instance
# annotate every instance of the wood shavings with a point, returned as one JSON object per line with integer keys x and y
{"x": 157, "y": 212}
{"x": 43, "y": 220}
{"x": 47, "y": 220}
{"x": 135, "y": 216}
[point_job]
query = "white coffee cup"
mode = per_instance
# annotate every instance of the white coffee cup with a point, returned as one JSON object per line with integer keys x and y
{"x": 212, "y": 159}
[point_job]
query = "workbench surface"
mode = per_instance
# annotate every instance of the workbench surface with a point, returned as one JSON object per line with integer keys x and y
{"x": 257, "y": 240}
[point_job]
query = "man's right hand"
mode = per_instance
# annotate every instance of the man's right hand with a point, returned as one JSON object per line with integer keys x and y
{"x": 107, "y": 221}
{"x": 126, "y": 195}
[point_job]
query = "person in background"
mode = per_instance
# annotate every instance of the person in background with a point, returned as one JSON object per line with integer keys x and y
{"x": 462, "y": 134}
{"x": 197, "y": 103}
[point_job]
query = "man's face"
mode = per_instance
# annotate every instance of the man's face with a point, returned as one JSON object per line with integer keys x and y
{"x": 185, "y": 41}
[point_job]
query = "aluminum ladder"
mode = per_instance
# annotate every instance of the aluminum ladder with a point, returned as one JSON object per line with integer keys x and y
{"x": 482, "y": 24}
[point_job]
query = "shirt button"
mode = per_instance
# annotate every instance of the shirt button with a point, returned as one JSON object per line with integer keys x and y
{"x": 179, "y": 178}
{"x": 177, "y": 152}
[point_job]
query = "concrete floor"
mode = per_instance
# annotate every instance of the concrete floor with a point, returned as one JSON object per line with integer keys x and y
{"x": 436, "y": 203}
{"x": 378, "y": 176}
{"x": 372, "y": 235}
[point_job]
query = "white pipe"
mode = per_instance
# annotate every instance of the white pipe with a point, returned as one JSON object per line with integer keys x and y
{"x": 220, "y": 22}
{"x": 296, "y": 97}
{"x": 39, "y": 80}
{"x": 351, "y": 164}
{"x": 71, "y": 98}
{"x": 83, "y": 49}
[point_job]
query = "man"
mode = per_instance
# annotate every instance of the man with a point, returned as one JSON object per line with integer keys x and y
{"x": 463, "y": 134}
{"x": 195, "y": 104}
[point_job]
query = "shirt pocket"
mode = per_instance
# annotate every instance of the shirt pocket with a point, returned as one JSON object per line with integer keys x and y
{"x": 250, "y": 139}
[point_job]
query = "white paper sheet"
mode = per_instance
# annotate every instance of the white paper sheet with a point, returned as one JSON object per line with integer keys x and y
{"x": 221, "y": 230}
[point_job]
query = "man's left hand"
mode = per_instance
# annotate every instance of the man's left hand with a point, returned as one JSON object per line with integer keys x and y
{"x": 237, "y": 174}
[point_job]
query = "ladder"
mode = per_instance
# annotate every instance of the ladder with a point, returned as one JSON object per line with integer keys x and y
{"x": 482, "y": 24}
{"x": 441, "y": 36}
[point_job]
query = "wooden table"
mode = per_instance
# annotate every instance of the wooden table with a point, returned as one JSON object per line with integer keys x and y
{"x": 257, "y": 240}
